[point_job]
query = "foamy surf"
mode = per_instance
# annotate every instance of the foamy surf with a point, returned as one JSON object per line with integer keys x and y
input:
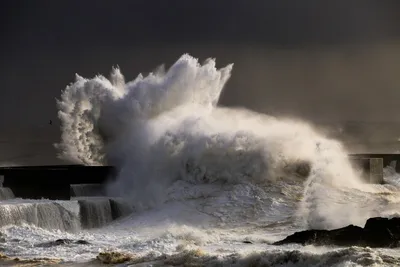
{"x": 209, "y": 185}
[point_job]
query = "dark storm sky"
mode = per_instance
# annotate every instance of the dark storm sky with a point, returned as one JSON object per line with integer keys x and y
{"x": 291, "y": 57}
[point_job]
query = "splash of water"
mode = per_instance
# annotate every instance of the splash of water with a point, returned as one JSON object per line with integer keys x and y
{"x": 167, "y": 127}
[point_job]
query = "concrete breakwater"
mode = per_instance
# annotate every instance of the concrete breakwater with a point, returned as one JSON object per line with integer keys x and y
{"x": 68, "y": 198}
{"x": 72, "y": 197}
{"x": 372, "y": 164}
{"x": 61, "y": 182}
{"x": 52, "y": 182}
{"x": 371, "y": 169}
{"x": 67, "y": 215}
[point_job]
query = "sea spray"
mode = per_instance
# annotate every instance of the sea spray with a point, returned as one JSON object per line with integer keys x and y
{"x": 166, "y": 129}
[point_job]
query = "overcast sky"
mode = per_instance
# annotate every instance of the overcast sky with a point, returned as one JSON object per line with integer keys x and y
{"x": 322, "y": 60}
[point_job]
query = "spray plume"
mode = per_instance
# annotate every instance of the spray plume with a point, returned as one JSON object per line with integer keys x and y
{"x": 167, "y": 127}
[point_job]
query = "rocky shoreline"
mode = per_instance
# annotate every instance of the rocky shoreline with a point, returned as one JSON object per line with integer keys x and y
{"x": 377, "y": 232}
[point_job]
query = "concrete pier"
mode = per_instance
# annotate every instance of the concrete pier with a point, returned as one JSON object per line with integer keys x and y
{"x": 92, "y": 209}
{"x": 371, "y": 168}
{"x": 52, "y": 182}
{"x": 387, "y": 158}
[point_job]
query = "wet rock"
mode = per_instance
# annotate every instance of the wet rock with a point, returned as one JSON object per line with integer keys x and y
{"x": 65, "y": 241}
{"x": 303, "y": 169}
{"x": 82, "y": 242}
{"x": 377, "y": 232}
{"x": 3, "y": 256}
{"x": 299, "y": 168}
{"x": 36, "y": 262}
{"x": 8, "y": 261}
{"x": 2, "y": 238}
{"x": 114, "y": 257}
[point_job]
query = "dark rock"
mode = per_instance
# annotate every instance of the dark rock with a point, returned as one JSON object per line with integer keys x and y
{"x": 2, "y": 238}
{"x": 303, "y": 169}
{"x": 247, "y": 242}
{"x": 62, "y": 242}
{"x": 299, "y": 168}
{"x": 65, "y": 241}
{"x": 82, "y": 242}
{"x": 377, "y": 232}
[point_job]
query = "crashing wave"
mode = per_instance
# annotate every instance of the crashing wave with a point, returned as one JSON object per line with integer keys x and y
{"x": 166, "y": 128}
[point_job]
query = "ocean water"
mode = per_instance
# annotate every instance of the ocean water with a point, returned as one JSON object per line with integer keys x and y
{"x": 208, "y": 185}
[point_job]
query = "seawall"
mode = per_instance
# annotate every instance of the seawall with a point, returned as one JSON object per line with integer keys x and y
{"x": 41, "y": 195}
{"x": 52, "y": 182}
{"x": 83, "y": 212}
{"x": 62, "y": 182}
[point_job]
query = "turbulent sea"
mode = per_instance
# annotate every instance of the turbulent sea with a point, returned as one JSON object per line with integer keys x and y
{"x": 209, "y": 185}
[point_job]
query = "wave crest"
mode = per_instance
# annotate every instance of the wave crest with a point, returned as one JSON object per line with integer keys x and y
{"x": 167, "y": 127}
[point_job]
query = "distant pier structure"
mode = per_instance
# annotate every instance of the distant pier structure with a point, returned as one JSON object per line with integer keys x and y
{"x": 372, "y": 164}
{"x": 52, "y": 182}
{"x": 65, "y": 181}
{"x": 371, "y": 168}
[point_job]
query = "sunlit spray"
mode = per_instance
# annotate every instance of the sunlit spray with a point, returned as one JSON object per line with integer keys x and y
{"x": 167, "y": 127}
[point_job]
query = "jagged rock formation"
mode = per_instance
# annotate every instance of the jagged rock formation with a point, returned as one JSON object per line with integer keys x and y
{"x": 377, "y": 232}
